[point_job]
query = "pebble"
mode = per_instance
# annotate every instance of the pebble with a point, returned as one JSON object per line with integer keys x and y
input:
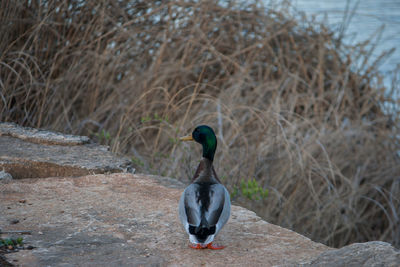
{"x": 5, "y": 177}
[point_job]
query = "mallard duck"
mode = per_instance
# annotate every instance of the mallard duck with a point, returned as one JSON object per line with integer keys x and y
{"x": 205, "y": 205}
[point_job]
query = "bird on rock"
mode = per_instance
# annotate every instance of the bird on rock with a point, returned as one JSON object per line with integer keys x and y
{"x": 205, "y": 205}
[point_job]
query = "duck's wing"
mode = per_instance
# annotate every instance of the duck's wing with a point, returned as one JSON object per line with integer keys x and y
{"x": 189, "y": 210}
{"x": 217, "y": 204}
{"x": 226, "y": 210}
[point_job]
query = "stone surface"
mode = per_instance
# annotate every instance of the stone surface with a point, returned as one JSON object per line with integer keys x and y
{"x": 369, "y": 254}
{"x": 132, "y": 220}
{"x": 39, "y": 136}
{"x": 32, "y": 153}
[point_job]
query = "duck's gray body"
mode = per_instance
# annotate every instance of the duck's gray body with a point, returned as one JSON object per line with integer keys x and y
{"x": 204, "y": 207}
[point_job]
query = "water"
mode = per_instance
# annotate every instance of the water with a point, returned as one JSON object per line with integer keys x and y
{"x": 369, "y": 16}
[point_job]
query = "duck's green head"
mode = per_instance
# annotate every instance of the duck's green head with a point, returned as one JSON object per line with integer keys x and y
{"x": 204, "y": 135}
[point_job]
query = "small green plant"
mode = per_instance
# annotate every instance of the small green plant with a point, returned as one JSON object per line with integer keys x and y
{"x": 6, "y": 242}
{"x": 235, "y": 192}
{"x": 20, "y": 241}
{"x": 145, "y": 119}
{"x": 104, "y": 136}
{"x": 12, "y": 242}
{"x": 251, "y": 189}
{"x": 137, "y": 161}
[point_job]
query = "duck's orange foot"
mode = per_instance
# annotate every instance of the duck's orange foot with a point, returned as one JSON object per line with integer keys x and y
{"x": 211, "y": 246}
{"x": 197, "y": 246}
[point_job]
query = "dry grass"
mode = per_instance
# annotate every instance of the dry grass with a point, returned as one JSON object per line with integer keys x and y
{"x": 289, "y": 106}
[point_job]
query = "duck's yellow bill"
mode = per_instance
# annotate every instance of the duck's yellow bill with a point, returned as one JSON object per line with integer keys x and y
{"x": 187, "y": 138}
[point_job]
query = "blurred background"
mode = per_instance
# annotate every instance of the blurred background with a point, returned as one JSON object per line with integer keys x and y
{"x": 361, "y": 20}
{"x": 304, "y": 106}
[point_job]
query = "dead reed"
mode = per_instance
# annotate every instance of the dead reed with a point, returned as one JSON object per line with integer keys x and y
{"x": 290, "y": 107}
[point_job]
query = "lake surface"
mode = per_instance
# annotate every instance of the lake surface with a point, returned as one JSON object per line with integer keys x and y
{"x": 369, "y": 16}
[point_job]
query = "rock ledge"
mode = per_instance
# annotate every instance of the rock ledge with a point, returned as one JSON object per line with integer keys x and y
{"x": 32, "y": 153}
{"x": 130, "y": 220}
